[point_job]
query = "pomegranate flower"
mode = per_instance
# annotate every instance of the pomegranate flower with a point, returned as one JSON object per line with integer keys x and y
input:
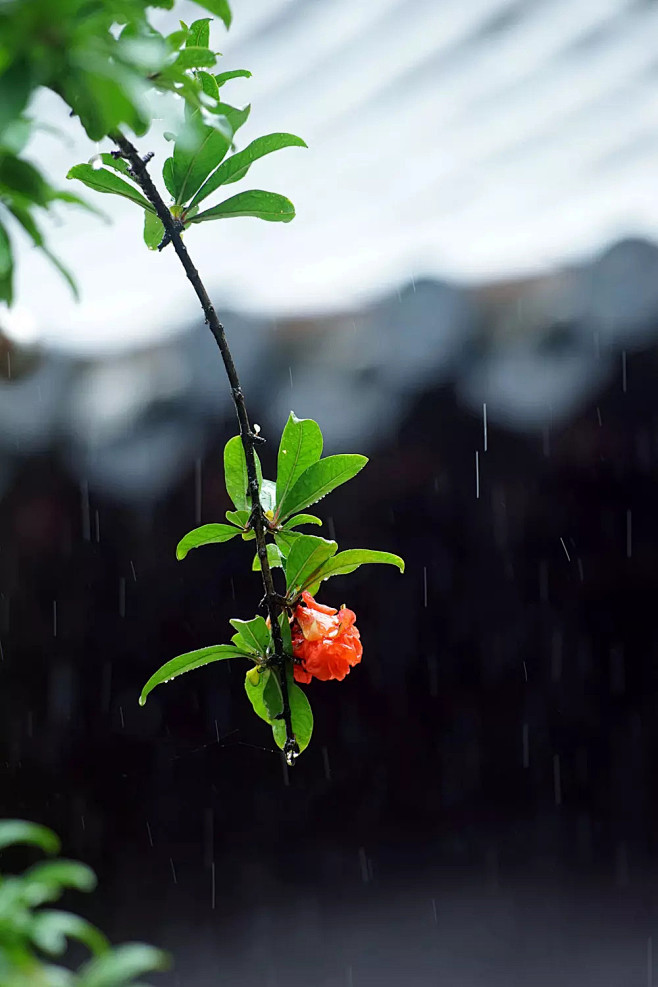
{"x": 325, "y": 641}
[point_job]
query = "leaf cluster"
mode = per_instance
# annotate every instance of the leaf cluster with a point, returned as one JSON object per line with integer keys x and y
{"x": 303, "y": 478}
{"x": 33, "y": 937}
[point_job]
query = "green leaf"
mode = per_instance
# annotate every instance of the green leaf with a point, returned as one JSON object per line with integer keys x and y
{"x": 350, "y": 560}
{"x": 285, "y": 540}
{"x": 267, "y": 496}
{"x": 301, "y": 716}
{"x": 197, "y": 153}
{"x": 239, "y": 518}
{"x": 207, "y": 534}
{"x": 270, "y": 206}
{"x": 102, "y": 180}
{"x": 237, "y": 166}
{"x": 254, "y": 632}
{"x": 6, "y": 267}
{"x": 45, "y": 882}
{"x": 300, "y": 447}
{"x": 272, "y": 698}
{"x": 186, "y": 663}
{"x": 235, "y": 473}
{"x": 223, "y": 77}
{"x": 117, "y": 164}
{"x": 299, "y": 519}
{"x": 199, "y": 33}
{"x": 209, "y": 85}
{"x": 122, "y": 965}
{"x": 273, "y": 557}
{"x": 254, "y": 683}
{"x": 16, "y": 83}
{"x": 307, "y": 554}
{"x": 51, "y": 928}
{"x": 15, "y": 832}
{"x": 195, "y": 57}
{"x": 318, "y": 480}
{"x": 168, "y": 177}
{"x": 219, "y": 8}
{"x": 286, "y": 635}
{"x": 153, "y": 230}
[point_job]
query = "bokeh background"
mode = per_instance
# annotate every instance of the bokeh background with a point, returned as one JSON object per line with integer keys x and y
{"x": 468, "y": 295}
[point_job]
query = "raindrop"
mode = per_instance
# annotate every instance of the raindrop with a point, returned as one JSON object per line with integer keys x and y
{"x": 290, "y": 372}
{"x": 150, "y": 835}
{"x": 598, "y": 415}
{"x": 566, "y": 552}
{"x": 82, "y": 822}
{"x": 96, "y": 162}
{"x": 173, "y": 870}
{"x": 623, "y": 371}
{"x": 132, "y": 567}
{"x": 54, "y": 618}
{"x": 98, "y": 526}
{"x": 123, "y": 722}
{"x": 484, "y": 424}
{"x": 434, "y": 912}
{"x": 363, "y": 862}
{"x": 477, "y": 474}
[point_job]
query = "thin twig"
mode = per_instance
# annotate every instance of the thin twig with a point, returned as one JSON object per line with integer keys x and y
{"x": 258, "y": 520}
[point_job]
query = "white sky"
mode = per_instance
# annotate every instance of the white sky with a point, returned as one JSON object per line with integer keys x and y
{"x": 437, "y": 146}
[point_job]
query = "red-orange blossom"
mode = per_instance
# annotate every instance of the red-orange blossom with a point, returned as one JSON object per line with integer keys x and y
{"x": 326, "y": 641}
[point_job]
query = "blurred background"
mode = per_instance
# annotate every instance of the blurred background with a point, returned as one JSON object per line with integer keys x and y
{"x": 469, "y": 296}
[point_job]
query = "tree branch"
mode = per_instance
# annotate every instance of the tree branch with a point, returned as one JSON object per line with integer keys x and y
{"x": 172, "y": 229}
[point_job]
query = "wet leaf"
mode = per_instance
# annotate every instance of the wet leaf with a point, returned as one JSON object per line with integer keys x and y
{"x": 195, "y": 57}
{"x": 273, "y": 557}
{"x": 270, "y": 206}
{"x": 350, "y": 560}
{"x": 300, "y": 447}
{"x": 102, "y": 180}
{"x": 254, "y": 632}
{"x": 207, "y": 534}
{"x": 237, "y": 166}
{"x": 318, "y": 480}
{"x": 307, "y": 554}
{"x": 153, "y": 230}
{"x": 301, "y": 716}
{"x": 299, "y": 519}
{"x": 223, "y": 77}
{"x": 186, "y": 663}
{"x": 199, "y": 33}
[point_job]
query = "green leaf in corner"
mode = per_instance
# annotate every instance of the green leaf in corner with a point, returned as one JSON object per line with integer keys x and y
{"x": 17, "y": 832}
{"x": 318, "y": 480}
{"x": 153, "y": 230}
{"x": 120, "y": 966}
{"x": 300, "y": 447}
{"x": 50, "y": 929}
{"x": 301, "y": 716}
{"x": 255, "y": 633}
{"x": 273, "y": 557}
{"x": 237, "y": 166}
{"x": 186, "y": 663}
{"x": 307, "y": 554}
{"x": 196, "y": 153}
{"x": 348, "y": 561}
{"x": 46, "y": 881}
{"x": 207, "y": 534}
{"x": 270, "y": 206}
{"x": 102, "y": 180}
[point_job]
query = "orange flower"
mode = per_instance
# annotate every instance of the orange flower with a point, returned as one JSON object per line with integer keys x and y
{"x": 325, "y": 640}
